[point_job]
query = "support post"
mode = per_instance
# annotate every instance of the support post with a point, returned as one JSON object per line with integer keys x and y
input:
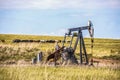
{"x": 81, "y": 61}
{"x": 39, "y": 57}
{"x": 85, "y": 53}
{"x": 64, "y": 39}
{"x": 63, "y": 44}
{"x": 71, "y": 40}
{"x": 76, "y": 42}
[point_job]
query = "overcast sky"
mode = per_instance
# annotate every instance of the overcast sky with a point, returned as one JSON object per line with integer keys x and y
{"x": 54, "y": 17}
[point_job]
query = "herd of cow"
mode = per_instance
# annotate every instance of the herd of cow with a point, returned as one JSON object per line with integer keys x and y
{"x": 39, "y": 41}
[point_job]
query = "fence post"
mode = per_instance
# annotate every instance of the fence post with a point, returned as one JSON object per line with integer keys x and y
{"x": 39, "y": 57}
{"x": 34, "y": 60}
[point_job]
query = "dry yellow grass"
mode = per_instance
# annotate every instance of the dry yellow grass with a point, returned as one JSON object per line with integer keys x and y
{"x": 58, "y": 73}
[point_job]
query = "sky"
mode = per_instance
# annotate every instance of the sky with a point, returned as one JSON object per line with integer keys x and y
{"x": 54, "y": 17}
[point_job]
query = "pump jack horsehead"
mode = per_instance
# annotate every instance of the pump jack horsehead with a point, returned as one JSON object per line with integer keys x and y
{"x": 68, "y": 52}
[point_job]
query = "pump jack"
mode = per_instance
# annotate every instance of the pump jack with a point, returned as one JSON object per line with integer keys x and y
{"x": 80, "y": 40}
{"x": 71, "y": 50}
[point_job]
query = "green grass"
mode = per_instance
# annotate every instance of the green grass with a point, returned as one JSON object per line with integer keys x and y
{"x": 58, "y": 73}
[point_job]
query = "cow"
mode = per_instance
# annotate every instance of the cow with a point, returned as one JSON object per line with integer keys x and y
{"x": 50, "y": 41}
{"x": 59, "y": 41}
{"x": 2, "y": 41}
{"x": 24, "y": 40}
{"x": 30, "y": 40}
{"x": 16, "y": 41}
{"x": 43, "y": 41}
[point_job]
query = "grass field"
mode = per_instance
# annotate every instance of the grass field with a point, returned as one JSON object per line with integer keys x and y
{"x": 15, "y": 52}
{"x": 58, "y": 73}
{"x": 103, "y": 48}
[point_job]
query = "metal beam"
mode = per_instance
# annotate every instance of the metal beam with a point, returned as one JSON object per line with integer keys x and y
{"x": 79, "y": 28}
{"x": 64, "y": 39}
{"x": 81, "y": 61}
{"x": 76, "y": 42}
{"x": 71, "y": 40}
{"x": 85, "y": 53}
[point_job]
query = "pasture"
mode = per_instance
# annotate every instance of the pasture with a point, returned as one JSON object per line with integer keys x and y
{"x": 103, "y": 48}
{"x": 15, "y": 59}
{"x": 58, "y": 73}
